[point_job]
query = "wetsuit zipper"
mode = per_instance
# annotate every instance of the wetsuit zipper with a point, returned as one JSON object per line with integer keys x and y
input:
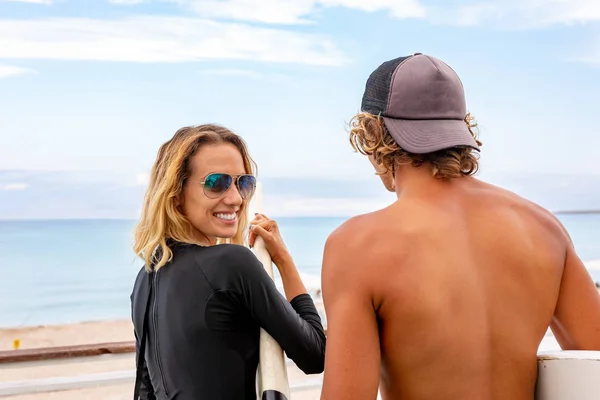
{"x": 155, "y": 326}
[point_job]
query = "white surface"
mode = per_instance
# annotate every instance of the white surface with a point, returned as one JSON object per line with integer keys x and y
{"x": 566, "y": 376}
{"x": 106, "y": 379}
{"x": 66, "y": 383}
{"x": 549, "y": 343}
{"x": 272, "y": 371}
{"x": 582, "y": 355}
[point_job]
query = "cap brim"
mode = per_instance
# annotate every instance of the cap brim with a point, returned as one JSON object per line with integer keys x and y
{"x": 426, "y": 136}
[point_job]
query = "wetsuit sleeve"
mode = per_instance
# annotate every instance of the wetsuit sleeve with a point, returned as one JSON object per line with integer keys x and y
{"x": 295, "y": 325}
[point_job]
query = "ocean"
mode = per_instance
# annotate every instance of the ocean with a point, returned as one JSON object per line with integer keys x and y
{"x": 66, "y": 271}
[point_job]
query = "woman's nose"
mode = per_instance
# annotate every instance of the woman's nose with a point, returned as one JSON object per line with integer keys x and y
{"x": 233, "y": 196}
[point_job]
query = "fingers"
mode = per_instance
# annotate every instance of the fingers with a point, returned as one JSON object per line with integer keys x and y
{"x": 259, "y": 231}
{"x": 262, "y": 216}
{"x": 262, "y": 226}
{"x": 259, "y": 218}
{"x": 265, "y": 222}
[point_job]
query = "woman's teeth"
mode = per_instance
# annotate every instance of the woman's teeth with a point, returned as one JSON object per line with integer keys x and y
{"x": 227, "y": 217}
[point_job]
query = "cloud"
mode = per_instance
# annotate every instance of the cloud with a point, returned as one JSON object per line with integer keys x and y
{"x": 593, "y": 59}
{"x": 593, "y": 265}
{"x": 518, "y": 14}
{"x": 295, "y": 11}
{"x": 30, "y": 1}
{"x": 152, "y": 39}
{"x": 233, "y": 72}
{"x": 14, "y": 186}
{"x": 51, "y": 195}
{"x": 9, "y": 70}
{"x": 245, "y": 74}
{"x": 286, "y": 206}
{"x": 142, "y": 179}
{"x": 126, "y": 2}
{"x": 119, "y": 195}
{"x": 591, "y": 53}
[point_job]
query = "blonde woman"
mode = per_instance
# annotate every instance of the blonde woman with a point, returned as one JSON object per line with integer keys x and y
{"x": 198, "y": 303}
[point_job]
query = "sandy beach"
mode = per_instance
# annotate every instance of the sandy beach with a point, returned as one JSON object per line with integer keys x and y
{"x": 87, "y": 333}
{"x": 105, "y": 332}
{"x": 67, "y": 335}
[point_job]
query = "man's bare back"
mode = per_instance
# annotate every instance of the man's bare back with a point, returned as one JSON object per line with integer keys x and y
{"x": 463, "y": 283}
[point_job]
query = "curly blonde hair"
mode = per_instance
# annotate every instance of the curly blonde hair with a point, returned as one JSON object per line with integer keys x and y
{"x": 161, "y": 219}
{"x": 370, "y": 136}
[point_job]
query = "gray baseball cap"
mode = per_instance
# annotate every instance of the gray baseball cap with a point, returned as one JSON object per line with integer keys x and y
{"x": 422, "y": 102}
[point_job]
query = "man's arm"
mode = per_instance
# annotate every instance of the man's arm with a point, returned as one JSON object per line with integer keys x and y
{"x": 352, "y": 357}
{"x": 576, "y": 322}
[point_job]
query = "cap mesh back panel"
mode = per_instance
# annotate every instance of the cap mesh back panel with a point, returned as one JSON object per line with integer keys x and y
{"x": 377, "y": 89}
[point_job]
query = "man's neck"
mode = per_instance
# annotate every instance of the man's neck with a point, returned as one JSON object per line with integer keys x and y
{"x": 419, "y": 181}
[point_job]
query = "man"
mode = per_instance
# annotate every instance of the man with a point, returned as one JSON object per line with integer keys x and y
{"x": 448, "y": 292}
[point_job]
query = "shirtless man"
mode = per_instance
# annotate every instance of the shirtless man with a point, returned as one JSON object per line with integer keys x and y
{"x": 448, "y": 292}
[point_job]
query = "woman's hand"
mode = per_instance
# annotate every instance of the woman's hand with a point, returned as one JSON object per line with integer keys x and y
{"x": 268, "y": 230}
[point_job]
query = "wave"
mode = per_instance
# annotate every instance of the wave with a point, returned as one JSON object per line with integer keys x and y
{"x": 593, "y": 265}
{"x": 311, "y": 281}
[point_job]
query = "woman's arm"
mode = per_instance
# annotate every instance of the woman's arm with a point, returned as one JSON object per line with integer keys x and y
{"x": 295, "y": 324}
{"x": 268, "y": 230}
{"x": 292, "y": 283}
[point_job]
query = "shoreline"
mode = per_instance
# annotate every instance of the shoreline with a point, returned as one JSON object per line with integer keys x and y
{"x": 566, "y": 212}
{"x": 78, "y": 333}
{"x": 72, "y": 334}
{"x": 119, "y": 322}
{"x": 93, "y": 332}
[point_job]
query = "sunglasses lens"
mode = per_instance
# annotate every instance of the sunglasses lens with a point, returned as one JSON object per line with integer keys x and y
{"x": 217, "y": 184}
{"x": 246, "y": 186}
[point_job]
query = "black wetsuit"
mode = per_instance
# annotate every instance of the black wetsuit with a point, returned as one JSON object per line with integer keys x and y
{"x": 205, "y": 311}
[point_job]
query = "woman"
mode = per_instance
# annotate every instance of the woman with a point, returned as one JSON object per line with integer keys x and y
{"x": 206, "y": 299}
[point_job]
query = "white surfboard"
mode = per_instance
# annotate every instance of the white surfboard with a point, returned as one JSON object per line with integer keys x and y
{"x": 272, "y": 379}
{"x": 566, "y": 375}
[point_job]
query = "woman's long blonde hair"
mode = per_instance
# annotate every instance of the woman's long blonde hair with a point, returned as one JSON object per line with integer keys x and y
{"x": 161, "y": 220}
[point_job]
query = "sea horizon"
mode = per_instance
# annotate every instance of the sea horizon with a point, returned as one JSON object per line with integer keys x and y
{"x": 60, "y": 270}
{"x": 3, "y": 219}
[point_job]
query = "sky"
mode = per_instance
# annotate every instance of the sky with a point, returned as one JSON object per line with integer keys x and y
{"x": 90, "y": 89}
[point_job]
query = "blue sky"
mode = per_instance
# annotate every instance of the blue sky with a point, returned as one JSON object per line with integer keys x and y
{"x": 90, "y": 89}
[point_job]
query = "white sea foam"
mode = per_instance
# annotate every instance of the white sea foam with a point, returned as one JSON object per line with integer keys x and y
{"x": 593, "y": 265}
{"x": 311, "y": 281}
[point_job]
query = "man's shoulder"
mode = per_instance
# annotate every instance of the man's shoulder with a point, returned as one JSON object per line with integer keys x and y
{"x": 362, "y": 239}
{"x": 530, "y": 212}
{"x": 355, "y": 230}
